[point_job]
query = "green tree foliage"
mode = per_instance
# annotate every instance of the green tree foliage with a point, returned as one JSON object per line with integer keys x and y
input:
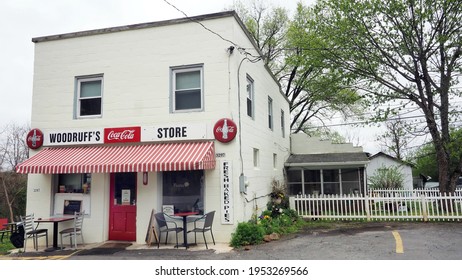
{"x": 425, "y": 162}
{"x": 425, "y": 158}
{"x": 401, "y": 53}
{"x": 315, "y": 90}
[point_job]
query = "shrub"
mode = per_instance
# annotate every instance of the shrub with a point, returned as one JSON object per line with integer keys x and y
{"x": 278, "y": 218}
{"x": 387, "y": 178}
{"x": 247, "y": 233}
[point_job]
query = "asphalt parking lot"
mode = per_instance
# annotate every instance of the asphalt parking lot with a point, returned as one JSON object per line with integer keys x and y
{"x": 368, "y": 241}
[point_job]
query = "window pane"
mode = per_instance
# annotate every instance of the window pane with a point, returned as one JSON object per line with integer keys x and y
{"x": 330, "y": 175}
{"x": 282, "y": 124}
{"x": 312, "y": 176}
{"x": 90, "y": 89}
{"x": 351, "y": 188}
{"x": 125, "y": 185}
{"x": 188, "y": 80}
{"x": 350, "y": 175}
{"x": 249, "y": 89}
{"x": 331, "y": 188}
{"x": 249, "y": 107}
{"x": 294, "y": 189}
{"x": 250, "y": 97}
{"x": 294, "y": 176}
{"x": 270, "y": 113}
{"x": 256, "y": 157}
{"x": 184, "y": 190}
{"x": 188, "y": 99}
{"x": 65, "y": 188}
{"x": 314, "y": 189}
{"x": 89, "y": 107}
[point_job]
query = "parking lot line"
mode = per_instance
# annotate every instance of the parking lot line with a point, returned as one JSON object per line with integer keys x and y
{"x": 399, "y": 242}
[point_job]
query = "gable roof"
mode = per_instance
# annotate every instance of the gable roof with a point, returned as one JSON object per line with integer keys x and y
{"x": 382, "y": 154}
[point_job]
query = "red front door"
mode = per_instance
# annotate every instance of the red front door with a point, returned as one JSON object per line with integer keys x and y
{"x": 122, "y": 211}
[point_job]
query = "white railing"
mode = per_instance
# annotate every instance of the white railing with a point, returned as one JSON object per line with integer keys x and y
{"x": 422, "y": 205}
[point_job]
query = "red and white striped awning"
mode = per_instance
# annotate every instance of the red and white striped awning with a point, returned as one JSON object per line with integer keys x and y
{"x": 133, "y": 158}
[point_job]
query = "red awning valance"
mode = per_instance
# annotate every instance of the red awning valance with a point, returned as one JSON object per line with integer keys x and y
{"x": 133, "y": 158}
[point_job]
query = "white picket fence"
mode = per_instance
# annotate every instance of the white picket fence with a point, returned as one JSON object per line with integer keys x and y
{"x": 418, "y": 205}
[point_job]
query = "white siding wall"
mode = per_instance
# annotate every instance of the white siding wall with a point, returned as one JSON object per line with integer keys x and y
{"x": 380, "y": 161}
{"x": 136, "y": 68}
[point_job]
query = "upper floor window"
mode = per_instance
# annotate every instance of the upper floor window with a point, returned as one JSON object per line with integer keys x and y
{"x": 250, "y": 97}
{"x": 89, "y": 96}
{"x": 283, "y": 124}
{"x": 256, "y": 157}
{"x": 270, "y": 113}
{"x": 187, "y": 90}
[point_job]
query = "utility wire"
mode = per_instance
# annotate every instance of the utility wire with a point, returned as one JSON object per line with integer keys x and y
{"x": 239, "y": 48}
{"x": 365, "y": 122}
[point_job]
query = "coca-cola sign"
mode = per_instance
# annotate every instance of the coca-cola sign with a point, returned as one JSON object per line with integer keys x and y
{"x": 122, "y": 134}
{"x": 34, "y": 139}
{"x": 225, "y": 130}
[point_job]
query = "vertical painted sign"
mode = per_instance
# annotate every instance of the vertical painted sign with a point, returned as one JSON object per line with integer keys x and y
{"x": 226, "y": 185}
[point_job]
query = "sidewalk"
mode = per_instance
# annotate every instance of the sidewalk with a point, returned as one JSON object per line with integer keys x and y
{"x": 108, "y": 248}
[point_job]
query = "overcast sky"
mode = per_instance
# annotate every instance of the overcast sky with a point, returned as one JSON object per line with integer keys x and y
{"x": 21, "y": 20}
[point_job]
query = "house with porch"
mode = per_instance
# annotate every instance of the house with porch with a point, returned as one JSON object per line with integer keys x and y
{"x": 318, "y": 166}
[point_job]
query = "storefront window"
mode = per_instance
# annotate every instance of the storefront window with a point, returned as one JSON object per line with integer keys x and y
{"x": 71, "y": 190}
{"x": 184, "y": 190}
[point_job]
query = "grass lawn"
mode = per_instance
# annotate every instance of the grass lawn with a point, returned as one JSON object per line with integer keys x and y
{"x": 5, "y": 246}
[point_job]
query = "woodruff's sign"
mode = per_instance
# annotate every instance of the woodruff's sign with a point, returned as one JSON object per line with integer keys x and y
{"x": 73, "y": 137}
{"x": 132, "y": 134}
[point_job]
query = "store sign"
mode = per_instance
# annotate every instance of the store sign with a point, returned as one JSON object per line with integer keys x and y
{"x": 226, "y": 192}
{"x": 122, "y": 134}
{"x": 133, "y": 134}
{"x": 174, "y": 132}
{"x": 225, "y": 130}
{"x": 73, "y": 137}
{"x": 34, "y": 139}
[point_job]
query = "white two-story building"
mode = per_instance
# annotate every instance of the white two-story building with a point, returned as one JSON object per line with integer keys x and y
{"x": 129, "y": 119}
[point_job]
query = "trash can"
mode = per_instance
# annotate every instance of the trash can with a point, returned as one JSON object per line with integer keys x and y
{"x": 17, "y": 236}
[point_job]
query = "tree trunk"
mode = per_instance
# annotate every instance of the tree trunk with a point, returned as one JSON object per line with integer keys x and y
{"x": 7, "y": 197}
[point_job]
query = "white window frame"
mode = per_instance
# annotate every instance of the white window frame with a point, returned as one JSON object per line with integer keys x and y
{"x": 174, "y": 71}
{"x": 250, "y": 91}
{"x": 79, "y": 81}
{"x": 270, "y": 113}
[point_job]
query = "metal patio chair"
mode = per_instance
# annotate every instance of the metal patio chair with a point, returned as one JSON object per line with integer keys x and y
{"x": 31, "y": 231}
{"x": 74, "y": 231}
{"x": 166, "y": 225}
{"x": 204, "y": 224}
